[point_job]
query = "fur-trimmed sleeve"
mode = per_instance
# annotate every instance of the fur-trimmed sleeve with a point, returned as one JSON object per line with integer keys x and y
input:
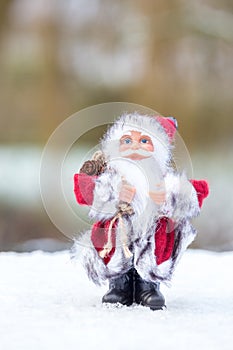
{"x": 181, "y": 198}
{"x": 83, "y": 188}
{"x": 106, "y": 196}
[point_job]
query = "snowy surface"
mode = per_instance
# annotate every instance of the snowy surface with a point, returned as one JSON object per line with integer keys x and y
{"x": 46, "y": 302}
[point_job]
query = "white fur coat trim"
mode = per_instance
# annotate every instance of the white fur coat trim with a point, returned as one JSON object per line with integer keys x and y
{"x": 181, "y": 204}
{"x": 144, "y": 258}
{"x": 84, "y": 251}
{"x": 181, "y": 197}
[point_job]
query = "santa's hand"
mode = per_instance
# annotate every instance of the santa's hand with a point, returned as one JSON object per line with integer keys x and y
{"x": 127, "y": 192}
{"x": 159, "y": 196}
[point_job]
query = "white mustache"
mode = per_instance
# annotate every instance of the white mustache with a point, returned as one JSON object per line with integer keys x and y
{"x": 140, "y": 152}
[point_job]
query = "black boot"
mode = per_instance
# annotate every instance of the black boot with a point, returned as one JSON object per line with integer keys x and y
{"x": 121, "y": 289}
{"x": 148, "y": 293}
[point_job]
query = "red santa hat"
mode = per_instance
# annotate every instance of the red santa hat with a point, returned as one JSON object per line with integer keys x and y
{"x": 169, "y": 124}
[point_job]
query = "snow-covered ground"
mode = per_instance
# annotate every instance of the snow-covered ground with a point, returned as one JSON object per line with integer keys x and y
{"x": 48, "y": 303}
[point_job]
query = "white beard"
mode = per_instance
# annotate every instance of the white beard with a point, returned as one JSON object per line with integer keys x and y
{"x": 144, "y": 175}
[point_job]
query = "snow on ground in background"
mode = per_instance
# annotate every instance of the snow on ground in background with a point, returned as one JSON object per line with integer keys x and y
{"x": 46, "y": 302}
{"x": 20, "y": 172}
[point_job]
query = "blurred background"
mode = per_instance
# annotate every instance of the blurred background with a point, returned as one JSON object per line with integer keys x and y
{"x": 60, "y": 56}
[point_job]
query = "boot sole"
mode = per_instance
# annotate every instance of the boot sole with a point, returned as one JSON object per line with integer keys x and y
{"x": 153, "y": 308}
{"x": 117, "y": 304}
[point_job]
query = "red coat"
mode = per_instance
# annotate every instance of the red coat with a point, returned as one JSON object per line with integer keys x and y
{"x": 84, "y": 186}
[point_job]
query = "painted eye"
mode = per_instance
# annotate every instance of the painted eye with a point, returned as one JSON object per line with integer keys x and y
{"x": 127, "y": 140}
{"x": 144, "y": 140}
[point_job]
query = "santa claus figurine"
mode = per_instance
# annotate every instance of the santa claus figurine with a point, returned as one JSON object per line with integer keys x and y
{"x": 142, "y": 208}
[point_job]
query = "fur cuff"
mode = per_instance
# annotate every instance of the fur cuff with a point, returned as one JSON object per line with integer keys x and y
{"x": 105, "y": 196}
{"x": 181, "y": 199}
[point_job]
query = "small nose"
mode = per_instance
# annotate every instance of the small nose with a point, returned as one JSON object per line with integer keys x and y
{"x": 135, "y": 145}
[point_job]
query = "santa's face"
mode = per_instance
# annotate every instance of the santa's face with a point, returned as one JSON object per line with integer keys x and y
{"x": 136, "y": 146}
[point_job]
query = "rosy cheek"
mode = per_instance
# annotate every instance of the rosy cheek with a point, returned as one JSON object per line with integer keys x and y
{"x": 124, "y": 147}
{"x": 148, "y": 147}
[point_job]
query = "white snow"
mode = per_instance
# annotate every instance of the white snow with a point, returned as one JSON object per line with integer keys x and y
{"x": 48, "y": 303}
